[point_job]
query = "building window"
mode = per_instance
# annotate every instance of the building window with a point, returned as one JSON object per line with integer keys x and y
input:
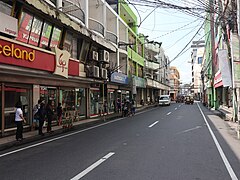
{"x": 200, "y": 60}
{"x": 55, "y": 37}
{"x": 46, "y": 32}
{"x": 32, "y": 28}
{"x": 35, "y": 31}
{"x": 140, "y": 71}
{"x": 25, "y": 27}
{"x": 5, "y": 8}
{"x": 71, "y": 45}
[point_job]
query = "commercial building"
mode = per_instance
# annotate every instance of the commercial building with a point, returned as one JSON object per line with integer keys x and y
{"x": 85, "y": 55}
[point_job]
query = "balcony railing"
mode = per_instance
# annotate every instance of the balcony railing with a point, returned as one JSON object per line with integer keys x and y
{"x": 111, "y": 37}
{"x": 72, "y": 9}
{"x": 96, "y": 26}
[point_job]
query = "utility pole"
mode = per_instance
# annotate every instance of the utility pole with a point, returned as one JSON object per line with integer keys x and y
{"x": 211, "y": 14}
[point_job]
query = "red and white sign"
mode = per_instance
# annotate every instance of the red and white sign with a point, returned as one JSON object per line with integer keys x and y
{"x": 14, "y": 53}
{"x": 9, "y": 25}
{"x": 62, "y": 60}
{"x": 218, "y": 79}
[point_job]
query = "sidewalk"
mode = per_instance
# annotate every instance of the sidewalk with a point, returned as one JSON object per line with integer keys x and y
{"x": 31, "y": 136}
{"x": 225, "y": 113}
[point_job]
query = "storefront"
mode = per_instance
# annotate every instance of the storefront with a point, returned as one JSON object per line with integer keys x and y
{"x": 141, "y": 89}
{"x": 28, "y": 74}
{"x": 96, "y": 105}
{"x": 120, "y": 89}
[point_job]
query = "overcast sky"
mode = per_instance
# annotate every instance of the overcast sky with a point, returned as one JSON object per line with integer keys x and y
{"x": 175, "y": 30}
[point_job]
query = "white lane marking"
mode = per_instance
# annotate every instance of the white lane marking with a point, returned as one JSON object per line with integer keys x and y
{"x": 153, "y": 124}
{"x": 67, "y": 135}
{"x": 224, "y": 158}
{"x": 175, "y": 108}
{"x": 93, "y": 166}
{"x": 188, "y": 130}
{"x": 179, "y": 106}
{"x": 169, "y": 113}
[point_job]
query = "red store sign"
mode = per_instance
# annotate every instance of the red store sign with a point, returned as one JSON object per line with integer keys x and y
{"x": 19, "y": 55}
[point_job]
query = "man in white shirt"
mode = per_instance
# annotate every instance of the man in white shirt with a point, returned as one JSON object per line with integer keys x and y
{"x": 19, "y": 120}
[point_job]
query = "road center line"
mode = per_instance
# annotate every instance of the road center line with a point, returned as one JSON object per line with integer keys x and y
{"x": 153, "y": 124}
{"x": 169, "y": 113}
{"x": 93, "y": 166}
{"x": 224, "y": 158}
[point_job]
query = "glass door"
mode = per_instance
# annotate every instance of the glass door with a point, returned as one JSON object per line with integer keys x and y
{"x": 14, "y": 94}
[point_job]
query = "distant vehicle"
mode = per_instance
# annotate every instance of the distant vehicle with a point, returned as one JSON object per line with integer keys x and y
{"x": 180, "y": 99}
{"x": 164, "y": 100}
{"x": 189, "y": 100}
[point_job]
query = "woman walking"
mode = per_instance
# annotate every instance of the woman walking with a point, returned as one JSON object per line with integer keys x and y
{"x": 19, "y": 120}
{"x": 49, "y": 111}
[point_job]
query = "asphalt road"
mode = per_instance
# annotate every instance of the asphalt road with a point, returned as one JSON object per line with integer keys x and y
{"x": 163, "y": 143}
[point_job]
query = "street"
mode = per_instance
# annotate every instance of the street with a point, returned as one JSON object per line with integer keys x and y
{"x": 176, "y": 142}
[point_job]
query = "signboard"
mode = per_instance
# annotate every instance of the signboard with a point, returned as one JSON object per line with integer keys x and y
{"x": 119, "y": 78}
{"x": 139, "y": 82}
{"x": 224, "y": 66}
{"x": 62, "y": 60}
{"x": 14, "y": 53}
{"x": 9, "y": 25}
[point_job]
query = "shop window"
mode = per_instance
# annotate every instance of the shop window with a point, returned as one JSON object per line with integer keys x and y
{"x": 46, "y": 32}
{"x": 81, "y": 102}
{"x": 68, "y": 100}
{"x": 94, "y": 102}
{"x": 49, "y": 94}
{"x": 12, "y": 96}
{"x": 25, "y": 27}
{"x": 5, "y": 8}
{"x": 55, "y": 37}
{"x": 111, "y": 101}
{"x": 35, "y": 31}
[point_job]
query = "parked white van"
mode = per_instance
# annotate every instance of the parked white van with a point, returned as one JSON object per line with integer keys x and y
{"x": 164, "y": 100}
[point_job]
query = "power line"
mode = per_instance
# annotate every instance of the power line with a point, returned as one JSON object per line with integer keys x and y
{"x": 176, "y": 29}
{"x": 184, "y": 47}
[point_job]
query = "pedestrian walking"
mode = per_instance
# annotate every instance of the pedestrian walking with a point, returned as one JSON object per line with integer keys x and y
{"x": 42, "y": 114}
{"x": 59, "y": 113}
{"x": 118, "y": 105}
{"x": 36, "y": 115}
{"x": 133, "y": 107}
{"x": 49, "y": 112}
{"x": 19, "y": 120}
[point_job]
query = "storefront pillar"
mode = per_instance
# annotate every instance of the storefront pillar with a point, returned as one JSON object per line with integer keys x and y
{"x": 2, "y": 109}
{"x": 87, "y": 90}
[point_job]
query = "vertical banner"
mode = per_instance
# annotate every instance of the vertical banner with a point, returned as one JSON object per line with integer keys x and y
{"x": 62, "y": 60}
{"x": 236, "y": 58}
{"x": 224, "y": 66}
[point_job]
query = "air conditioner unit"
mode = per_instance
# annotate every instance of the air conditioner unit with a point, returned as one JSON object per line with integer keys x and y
{"x": 104, "y": 56}
{"x": 94, "y": 71}
{"x": 104, "y": 74}
{"x": 95, "y": 55}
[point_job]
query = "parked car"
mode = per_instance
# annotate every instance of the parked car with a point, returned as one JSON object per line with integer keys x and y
{"x": 164, "y": 100}
{"x": 189, "y": 100}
